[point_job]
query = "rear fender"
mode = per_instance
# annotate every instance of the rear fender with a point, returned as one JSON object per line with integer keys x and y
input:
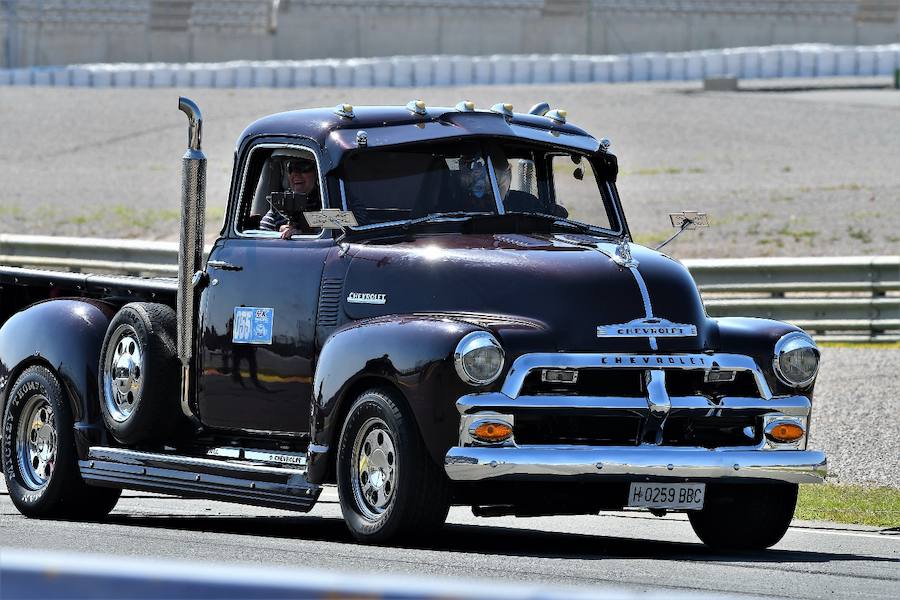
{"x": 412, "y": 353}
{"x": 66, "y": 335}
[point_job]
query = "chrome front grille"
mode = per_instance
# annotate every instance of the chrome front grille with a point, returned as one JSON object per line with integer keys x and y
{"x": 631, "y": 383}
{"x": 577, "y": 430}
{"x": 524, "y": 366}
{"x": 633, "y": 400}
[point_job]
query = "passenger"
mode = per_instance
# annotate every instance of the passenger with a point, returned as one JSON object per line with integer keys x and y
{"x": 520, "y": 200}
{"x": 301, "y": 178}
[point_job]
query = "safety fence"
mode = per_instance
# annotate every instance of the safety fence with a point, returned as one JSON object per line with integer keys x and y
{"x": 768, "y": 62}
{"x": 853, "y": 298}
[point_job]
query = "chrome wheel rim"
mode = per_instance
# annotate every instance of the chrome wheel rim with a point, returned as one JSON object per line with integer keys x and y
{"x": 36, "y": 442}
{"x": 373, "y": 469}
{"x": 123, "y": 373}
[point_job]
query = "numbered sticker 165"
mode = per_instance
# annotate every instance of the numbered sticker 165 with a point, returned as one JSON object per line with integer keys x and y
{"x": 252, "y": 325}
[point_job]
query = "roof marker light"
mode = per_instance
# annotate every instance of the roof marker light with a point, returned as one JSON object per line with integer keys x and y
{"x": 465, "y": 106}
{"x": 344, "y": 110}
{"x": 504, "y": 108}
{"x": 559, "y": 115}
{"x": 540, "y": 109}
{"x": 416, "y": 106}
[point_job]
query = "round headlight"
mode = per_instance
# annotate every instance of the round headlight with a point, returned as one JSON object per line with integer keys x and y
{"x": 796, "y": 359}
{"x": 478, "y": 358}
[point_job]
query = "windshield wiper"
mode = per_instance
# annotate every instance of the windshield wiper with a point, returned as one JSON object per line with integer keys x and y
{"x": 429, "y": 218}
{"x": 567, "y": 223}
{"x": 449, "y": 216}
{"x": 437, "y": 217}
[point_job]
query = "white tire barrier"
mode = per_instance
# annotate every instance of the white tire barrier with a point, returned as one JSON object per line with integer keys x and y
{"x": 769, "y": 62}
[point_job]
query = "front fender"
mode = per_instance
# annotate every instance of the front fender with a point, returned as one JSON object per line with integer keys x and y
{"x": 67, "y": 336}
{"x": 413, "y": 354}
{"x": 756, "y": 338}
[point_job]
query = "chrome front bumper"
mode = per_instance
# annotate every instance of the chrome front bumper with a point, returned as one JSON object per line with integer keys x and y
{"x": 639, "y": 463}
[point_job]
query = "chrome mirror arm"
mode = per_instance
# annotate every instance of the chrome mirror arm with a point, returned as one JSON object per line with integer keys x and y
{"x": 681, "y": 230}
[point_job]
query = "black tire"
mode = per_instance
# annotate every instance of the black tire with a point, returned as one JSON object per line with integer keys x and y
{"x": 39, "y": 457}
{"x": 402, "y": 493}
{"x": 745, "y": 517}
{"x": 139, "y": 374}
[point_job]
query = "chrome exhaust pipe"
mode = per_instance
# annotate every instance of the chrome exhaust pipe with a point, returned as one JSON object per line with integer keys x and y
{"x": 190, "y": 251}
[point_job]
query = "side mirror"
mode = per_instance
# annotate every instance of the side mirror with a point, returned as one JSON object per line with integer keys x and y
{"x": 689, "y": 219}
{"x": 330, "y": 218}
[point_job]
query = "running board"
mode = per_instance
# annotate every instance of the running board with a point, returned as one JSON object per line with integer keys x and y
{"x": 193, "y": 477}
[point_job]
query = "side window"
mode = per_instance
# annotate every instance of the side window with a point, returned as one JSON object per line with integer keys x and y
{"x": 280, "y": 184}
{"x": 576, "y": 187}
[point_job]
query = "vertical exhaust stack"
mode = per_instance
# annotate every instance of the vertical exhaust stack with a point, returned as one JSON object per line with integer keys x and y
{"x": 190, "y": 254}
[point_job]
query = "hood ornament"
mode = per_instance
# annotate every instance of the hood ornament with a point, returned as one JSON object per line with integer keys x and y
{"x": 623, "y": 257}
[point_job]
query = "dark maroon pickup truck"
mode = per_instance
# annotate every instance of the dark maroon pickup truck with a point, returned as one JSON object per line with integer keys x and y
{"x": 425, "y": 306}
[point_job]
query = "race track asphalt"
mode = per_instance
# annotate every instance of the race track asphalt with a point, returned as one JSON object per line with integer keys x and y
{"x": 630, "y": 551}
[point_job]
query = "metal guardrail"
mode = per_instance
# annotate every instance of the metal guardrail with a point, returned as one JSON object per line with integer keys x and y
{"x": 835, "y": 298}
{"x": 854, "y": 298}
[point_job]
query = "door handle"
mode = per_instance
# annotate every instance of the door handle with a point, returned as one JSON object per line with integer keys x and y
{"x": 224, "y": 265}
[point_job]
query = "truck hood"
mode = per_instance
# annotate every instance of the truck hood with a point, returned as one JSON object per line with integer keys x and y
{"x": 536, "y": 291}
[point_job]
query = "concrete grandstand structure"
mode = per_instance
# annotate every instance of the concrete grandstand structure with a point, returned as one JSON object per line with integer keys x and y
{"x": 56, "y": 32}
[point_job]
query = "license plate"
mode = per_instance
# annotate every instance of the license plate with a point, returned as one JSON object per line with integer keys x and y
{"x": 667, "y": 495}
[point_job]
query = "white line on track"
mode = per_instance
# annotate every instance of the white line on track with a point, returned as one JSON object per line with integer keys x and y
{"x": 878, "y": 536}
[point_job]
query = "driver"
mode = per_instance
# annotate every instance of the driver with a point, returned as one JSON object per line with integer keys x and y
{"x": 298, "y": 174}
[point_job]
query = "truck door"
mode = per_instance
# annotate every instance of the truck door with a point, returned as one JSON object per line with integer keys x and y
{"x": 258, "y": 313}
{"x": 251, "y": 380}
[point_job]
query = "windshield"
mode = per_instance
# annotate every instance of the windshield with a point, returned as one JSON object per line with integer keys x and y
{"x": 411, "y": 183}
{"x": 386, "y": 186}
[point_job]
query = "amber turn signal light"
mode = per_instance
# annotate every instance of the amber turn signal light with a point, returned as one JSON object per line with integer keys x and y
{"x": 784, "y": 432}
{"x": 491, "y": 432}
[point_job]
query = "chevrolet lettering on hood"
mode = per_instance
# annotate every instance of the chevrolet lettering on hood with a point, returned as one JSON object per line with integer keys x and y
{"x": 365, "y": 298}
{"x": 647, "y": 328}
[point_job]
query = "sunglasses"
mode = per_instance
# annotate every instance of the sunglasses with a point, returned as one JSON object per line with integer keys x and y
{"x": 300, "y": 166}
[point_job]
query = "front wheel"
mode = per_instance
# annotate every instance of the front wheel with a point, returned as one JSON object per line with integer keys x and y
{"x": 39, "y": 458}
{"x": 388, "y": 485}
{"x": 745, "y": 517}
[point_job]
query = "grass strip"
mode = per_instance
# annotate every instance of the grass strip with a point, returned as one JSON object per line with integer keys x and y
{"x": 858, "y": 345}
{"x": 852, "y": 504}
